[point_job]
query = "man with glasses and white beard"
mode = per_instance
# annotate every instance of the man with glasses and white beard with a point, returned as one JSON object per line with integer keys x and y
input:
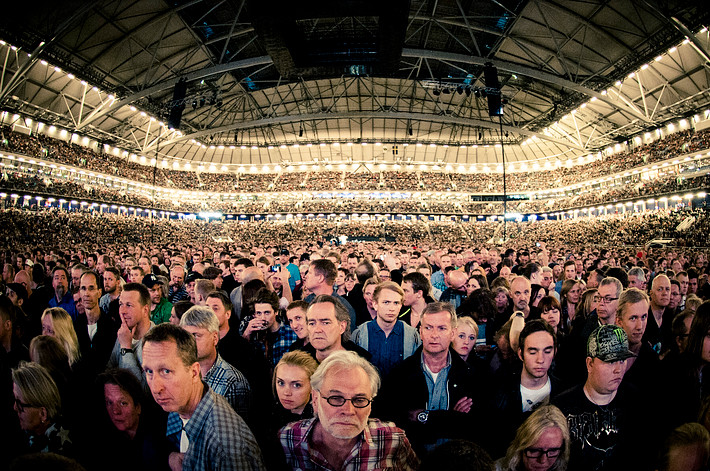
{"x": 342, "y": 435}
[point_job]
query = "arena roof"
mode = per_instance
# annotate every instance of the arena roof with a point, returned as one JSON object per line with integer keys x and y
{"x": 277, "y": 82}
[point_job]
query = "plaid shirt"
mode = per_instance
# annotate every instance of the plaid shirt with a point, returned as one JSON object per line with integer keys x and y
{"x": 276, "y": 344}
{"x": 230, "y": 383}
{"x": 219, "y": 438}
{"x": 380, "y": 446}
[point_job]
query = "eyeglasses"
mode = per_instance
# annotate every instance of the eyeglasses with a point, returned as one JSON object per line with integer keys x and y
{"x": 606, "y": 299}
{"x": 538, "y": 452}
{"x": 339, "y": 401}
{"x": 21, "y": 406}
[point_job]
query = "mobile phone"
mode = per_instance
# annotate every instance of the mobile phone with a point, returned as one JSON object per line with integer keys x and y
{"x": 274, "y": 269}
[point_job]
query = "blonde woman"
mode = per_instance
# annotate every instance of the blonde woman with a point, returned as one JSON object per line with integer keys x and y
{"x": 57, "y": 323}
{"x": 541, "y": 443}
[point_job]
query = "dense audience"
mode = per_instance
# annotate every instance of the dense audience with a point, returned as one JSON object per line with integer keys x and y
{"x": 187, "y": 344}
{"x": 40, "y": 146}
{"x": 157, "y": 343}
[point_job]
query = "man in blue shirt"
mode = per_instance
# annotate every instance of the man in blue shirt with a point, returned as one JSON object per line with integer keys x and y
{"x": 293, "y": 270}
{"x": 62, "y": 296}
{"x": 203, "y": 428}
{"x": 388, "y": 340}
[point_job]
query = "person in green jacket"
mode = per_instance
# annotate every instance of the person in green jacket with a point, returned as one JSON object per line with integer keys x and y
{"x": 160, "y": 307}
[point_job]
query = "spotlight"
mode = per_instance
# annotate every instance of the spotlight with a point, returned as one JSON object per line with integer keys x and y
{"x": 194, "y": 104}
{"x": 300, "y": 132}
{"x": 468, "y": 92}
{"x": 459, "y": 90}
{"x": 411, "y": 131}
{"x": 203, "y": 100}
{"x": 446, "y": 91}
{"x": 436, "y": 92}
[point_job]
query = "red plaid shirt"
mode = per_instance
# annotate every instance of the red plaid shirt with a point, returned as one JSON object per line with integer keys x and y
{"x": 381, "y": 446}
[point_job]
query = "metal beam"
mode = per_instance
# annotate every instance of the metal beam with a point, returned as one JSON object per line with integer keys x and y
{"x": 197, "y": 75}
{"x": 404, "y": 116}
{"x": 519, "y": 70}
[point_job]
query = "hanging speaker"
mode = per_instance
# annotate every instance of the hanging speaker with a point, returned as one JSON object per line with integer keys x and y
{"x": 177, "y": 105}
{"x": 490, "y": 77}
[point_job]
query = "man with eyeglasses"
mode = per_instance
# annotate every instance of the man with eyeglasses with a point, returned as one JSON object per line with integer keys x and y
{"x": 606, "y": 425}
{"x": 572, "y": 352}
{"x": 342, "y": 435}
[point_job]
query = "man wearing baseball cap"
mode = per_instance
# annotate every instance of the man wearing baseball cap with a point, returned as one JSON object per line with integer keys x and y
{"x": 160, "y": 307}
{"x": 604, "y": 421}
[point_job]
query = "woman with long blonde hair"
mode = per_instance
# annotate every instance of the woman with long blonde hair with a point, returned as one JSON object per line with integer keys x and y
{"x": 57, "y": 323}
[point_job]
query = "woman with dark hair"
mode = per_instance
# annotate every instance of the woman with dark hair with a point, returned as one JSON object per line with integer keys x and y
{"x": 130, "y": 440}
{"x": 537, "y": 292}
{"x": 688, "y": 375}
{"x": 179, "y": 308}
{"x": 549, "y": 311}
{"x": 482, "y": 308}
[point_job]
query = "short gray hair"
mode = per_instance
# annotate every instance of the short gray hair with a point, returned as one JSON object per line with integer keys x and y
{"x": 201, "y": 317}
{"x": 610, "y": 280}
{"x": 345, "y": 360}
{"x": 638, "y": 273}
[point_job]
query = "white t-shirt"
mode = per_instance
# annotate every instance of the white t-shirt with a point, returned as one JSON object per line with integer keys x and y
{"x": 184, "y": 442}
{"x": 534, "y": 398}
{"x": 92, "y": 328}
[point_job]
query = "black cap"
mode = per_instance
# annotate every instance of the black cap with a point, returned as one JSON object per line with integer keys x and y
{"x": 285, "y": 252}
{"x": 150, "y": 280}
{"x": 192, "y": 276}
{"x": 19, "y": 290}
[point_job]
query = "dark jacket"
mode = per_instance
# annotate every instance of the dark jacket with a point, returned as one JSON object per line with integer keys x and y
{"x": 95, "y": 353}
{"x": 405, "y": 392}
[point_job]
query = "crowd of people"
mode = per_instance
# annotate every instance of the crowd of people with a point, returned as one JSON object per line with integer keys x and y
{"x": 40, "y": 146}
{"x": 51, "y": 183}
{"x": 164, "y": 344}
{"x": 23, "y": 229}
{"x": 329, "y": 343}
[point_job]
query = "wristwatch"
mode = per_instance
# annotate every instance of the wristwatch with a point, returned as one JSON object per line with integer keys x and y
{"x": 423, "y": 416}
{"x": 126, "y": 350}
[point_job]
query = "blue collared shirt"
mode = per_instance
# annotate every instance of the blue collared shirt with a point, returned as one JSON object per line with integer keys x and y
{"x": 219, "y": 438}
{"x": 438, "y": 390}
{"x": 386, "y": 351}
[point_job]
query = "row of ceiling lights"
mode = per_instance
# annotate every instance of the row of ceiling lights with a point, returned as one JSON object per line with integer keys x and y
{"x": 523, "y": 166}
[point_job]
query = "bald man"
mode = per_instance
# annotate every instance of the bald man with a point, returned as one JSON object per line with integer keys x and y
{"x": 456, "y": 292}
{"x": 520, "y": 291}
